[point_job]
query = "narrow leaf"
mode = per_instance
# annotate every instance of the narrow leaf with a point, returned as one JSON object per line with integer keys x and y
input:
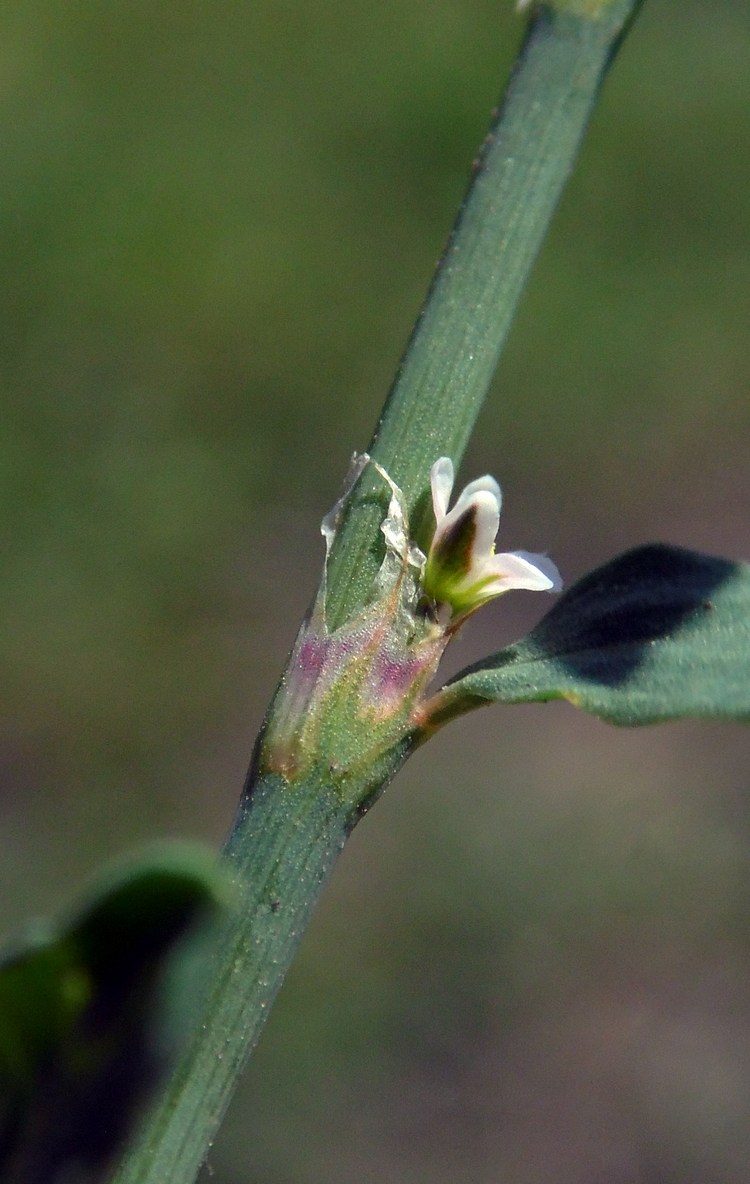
{"x": 658, "y": 633}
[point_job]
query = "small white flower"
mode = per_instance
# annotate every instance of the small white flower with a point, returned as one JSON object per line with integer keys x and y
{"x": 462, "y": 569}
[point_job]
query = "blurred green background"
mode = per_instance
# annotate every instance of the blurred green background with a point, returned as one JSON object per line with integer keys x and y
{"x": 217, "y": 223}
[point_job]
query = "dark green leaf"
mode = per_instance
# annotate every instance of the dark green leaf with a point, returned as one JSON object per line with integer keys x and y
{"x": 656, "y": 634}
{"x": 91, "y": 1014}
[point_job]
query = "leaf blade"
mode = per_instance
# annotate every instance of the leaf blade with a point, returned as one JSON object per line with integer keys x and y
{"x": 659, "y": 633}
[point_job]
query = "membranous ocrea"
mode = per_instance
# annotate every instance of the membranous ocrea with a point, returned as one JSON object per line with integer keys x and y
{"x": 348, "y": 705}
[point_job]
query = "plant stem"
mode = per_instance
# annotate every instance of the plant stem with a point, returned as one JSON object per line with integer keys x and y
{"x": 455, "y": 345}
{"x": 288, "y": 835}
{"x": 281, "y": 851}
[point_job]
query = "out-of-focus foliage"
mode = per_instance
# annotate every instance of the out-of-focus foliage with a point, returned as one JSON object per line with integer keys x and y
{"x": 92, "y": 1013}
{"x": 216, "y": 226}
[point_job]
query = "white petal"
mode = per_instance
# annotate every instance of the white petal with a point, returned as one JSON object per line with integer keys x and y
{"x": 545, "y": 565}
{"x": 518, "y": 569}
{"x": 441, "y": 480}
{"x": 485, "y": 484}
{"x": 487, "y": 521}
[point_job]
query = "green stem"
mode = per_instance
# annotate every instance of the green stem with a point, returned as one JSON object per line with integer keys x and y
{"x": 287, "y": 835}
{"x": 453, "y": 351}
{"x": 283, "y": 846}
